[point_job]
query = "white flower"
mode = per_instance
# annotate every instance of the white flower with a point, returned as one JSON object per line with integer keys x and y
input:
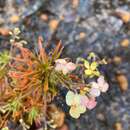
{"x": 64, "y": 66}
{"x": 74, "y": 101}
{"x": 97, "y": 87}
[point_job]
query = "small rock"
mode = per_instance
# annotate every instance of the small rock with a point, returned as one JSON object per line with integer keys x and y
{"x": 53, "y": 24}
{"x": 117, "y": 59}
{"x": 75, "y": 3}
{"x": 4, "y": 31}
{"x": 125, "y": 43}
{"x": 82, "y": 35}
{"x": 57, "y": 115}
{"x": 123, "y": 82}
{"x": 124, "y": 15}
{"x": 44, "y": 17}
{"x": 100, "y": 117}
{"x": 118, "y": 126}
{"x": 14, "y": 19}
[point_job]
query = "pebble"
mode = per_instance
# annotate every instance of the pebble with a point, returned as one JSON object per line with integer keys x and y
{"x": 44, "y": 17}
{"x": 123, "y": 14}
{"x": 123, "y": 82}
{"x": 125, "y": 43}
{"x": 117, "y": 59}
{"x": 14, "y": 19}
{"x": 118, "y": 126}
{"x": 4, "y": 31}
{"x": 53, "y": 24}
{"x": 75, "y": 3}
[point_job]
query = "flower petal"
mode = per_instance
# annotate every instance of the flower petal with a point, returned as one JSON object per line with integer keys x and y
{"x": 59, "y": 67}
{"x": 101, "y": 80}
{"x": 81, "y": 109}
{"x": 76, "y": 99}
{"x": 94, "y": 85}
{"x": 61, "y": 61}
{"x": 88, "y": 72}
{"x": 94, "y": 66}
{"x": 74, "y": 112}
{"x": 70, "y": 98}
{"x": 86, "y": 64}
{"x": 104, "y": 87}
{"x": 92, "y": 55}
{"x": 84, "y": 100}
{"x": 91, "y": 104}
{"x": 65, "y": 70}
{"x": 96, "y": 73}
{"x": 71, "y": 66}
{"x": 94, "y": 92}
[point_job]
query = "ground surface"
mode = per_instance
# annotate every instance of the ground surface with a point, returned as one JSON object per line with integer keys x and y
{"x": 83, "y": 26}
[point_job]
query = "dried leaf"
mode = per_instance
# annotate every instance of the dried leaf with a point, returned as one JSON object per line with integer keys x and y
{"x": 43, "y": 54}
{"x": 57, "y": 51}
{"x": 46, "y": 87}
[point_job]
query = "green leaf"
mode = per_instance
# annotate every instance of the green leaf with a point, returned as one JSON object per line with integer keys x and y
{"x": 33, "y": 115}
{"x": 15, "y": 105}
{"x": 4, "y": 58}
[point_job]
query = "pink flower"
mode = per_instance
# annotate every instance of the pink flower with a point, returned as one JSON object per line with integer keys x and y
{"x": 64, "y": 66}
{"x": 103, "y": 85}
{"x": 89, "y": 103}
{"x": 97, "y": 87}
{"x": 95, "y": 91}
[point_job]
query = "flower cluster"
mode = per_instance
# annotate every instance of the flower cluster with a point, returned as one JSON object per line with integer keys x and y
{"x": 30, "y": 80}
{"x": 64, "y": 66}
{"x": 97, "y": 87}
{"x": 80, "y": 102}
{"x": 86, "y": 98}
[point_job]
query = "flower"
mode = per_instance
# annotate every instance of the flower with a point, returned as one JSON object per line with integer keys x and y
{"x": 97, "y": 87}
{"x": 92, "y": 55}
{"x": 5, "y": 128}
{"x": 64, "y": 66}
{"x": 95, "y": 91}
{"x": 16, "y": 31}
{"x": 74, "y": 101}
{"x": 103, "y": 85}
{"x": 91, "y": 69}
{"x": 89, "y": 103}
